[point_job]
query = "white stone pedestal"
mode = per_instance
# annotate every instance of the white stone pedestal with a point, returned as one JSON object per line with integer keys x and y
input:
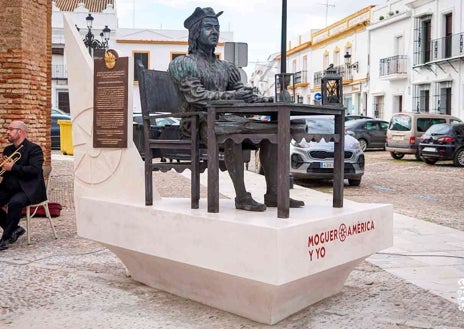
{"x": 250, "y": 264}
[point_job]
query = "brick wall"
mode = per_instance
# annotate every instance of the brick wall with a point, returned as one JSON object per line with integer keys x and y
{"x": 25, "y": 69}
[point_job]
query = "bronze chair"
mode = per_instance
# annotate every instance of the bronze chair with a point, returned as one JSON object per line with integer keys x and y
{"x": 159, "y": 99}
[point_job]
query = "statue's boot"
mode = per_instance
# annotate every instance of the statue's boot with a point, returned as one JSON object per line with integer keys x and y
{"x": 271, "y": 201}
{"x": 268, "y": 157}
{"x": 246, "y": 202}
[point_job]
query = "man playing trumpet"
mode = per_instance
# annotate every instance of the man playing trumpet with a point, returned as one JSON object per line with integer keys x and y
{"x": 23, "y": 182}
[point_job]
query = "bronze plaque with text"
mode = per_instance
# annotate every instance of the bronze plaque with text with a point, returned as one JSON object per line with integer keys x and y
{"x": 110, "y": 104}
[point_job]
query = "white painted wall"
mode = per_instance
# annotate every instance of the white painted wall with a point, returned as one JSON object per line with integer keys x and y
{"x": 389, "y": 37}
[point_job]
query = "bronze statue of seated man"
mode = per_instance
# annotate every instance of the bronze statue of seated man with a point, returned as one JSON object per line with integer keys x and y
{"x": 201, "y": 77}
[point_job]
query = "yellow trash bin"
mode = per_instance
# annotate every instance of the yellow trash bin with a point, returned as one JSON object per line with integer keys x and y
{"x": 66, "y": 145}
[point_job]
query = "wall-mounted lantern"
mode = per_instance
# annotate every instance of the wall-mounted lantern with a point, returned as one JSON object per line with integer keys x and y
{"x": 349, "y": 66}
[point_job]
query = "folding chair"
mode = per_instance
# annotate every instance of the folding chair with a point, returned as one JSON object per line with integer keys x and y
{"x": 47, "y": 175}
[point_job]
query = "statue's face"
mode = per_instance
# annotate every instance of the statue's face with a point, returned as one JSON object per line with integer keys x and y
{"x": 209, "y": 32}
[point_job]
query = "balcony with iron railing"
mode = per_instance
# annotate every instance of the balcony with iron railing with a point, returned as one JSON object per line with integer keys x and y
{"x": 340, "y": 69}
{"x": 58, "y": 40}
{"x": 318, "y": 78}
{"x": 59, "y": 72}
{"x": 447, "y": 48}
{"x": 394, "y": 67}
{"x": 301, "y": 78}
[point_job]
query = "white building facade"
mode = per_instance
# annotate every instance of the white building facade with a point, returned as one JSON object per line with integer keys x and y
{"x": 343, "y": 44}
{"x": 437, "y": 59}
{"x": 403, "y": 56}
{"x": 390, "y": 52}
{"x": 155, "y": 47}
{"x": 263, "y": 77}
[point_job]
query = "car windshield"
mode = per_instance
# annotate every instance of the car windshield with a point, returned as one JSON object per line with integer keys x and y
{"x": 400, "y": 123}
{"x": 320, "y": 125}
{"x": 439, "y": 129}
{"x": 58, "y": 112}
{"x": 165, "y": 122}
{"x": 351, "y": 123}
{"x": 159, "y": 122}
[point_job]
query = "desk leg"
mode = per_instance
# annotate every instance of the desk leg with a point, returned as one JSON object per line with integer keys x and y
{"x": 283, "y": 164}
{"x": 339, "y": 162}
{"x": 213, "y": 164}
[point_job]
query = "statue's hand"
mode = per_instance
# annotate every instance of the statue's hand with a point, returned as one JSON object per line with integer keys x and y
{"x": 264, "y": 99}
{"x": 245, "y": 94}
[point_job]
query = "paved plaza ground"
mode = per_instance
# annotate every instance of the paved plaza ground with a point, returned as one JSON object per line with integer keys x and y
{"x": 76, "y": 283}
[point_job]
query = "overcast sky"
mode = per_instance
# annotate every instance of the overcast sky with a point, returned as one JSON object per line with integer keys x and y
{"x": 256, "y": 22}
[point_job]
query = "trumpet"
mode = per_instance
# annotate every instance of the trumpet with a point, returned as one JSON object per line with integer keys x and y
{"x": 15, "y": 156}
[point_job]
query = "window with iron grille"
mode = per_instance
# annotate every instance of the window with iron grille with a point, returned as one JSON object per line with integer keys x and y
{"x": 142, "y": 56}
{"x": 298, "y": 77}
{"x": 421, "y": 98}
{"x": 318, "y": 78}
{"x": 378, "y": 106}
{"x": 63, "y": 100}
{"x": 325, "y": 61}
{"x": 422, "y": 39}
{"x": 304, "y": 75}
{"x": 442, "y": 97}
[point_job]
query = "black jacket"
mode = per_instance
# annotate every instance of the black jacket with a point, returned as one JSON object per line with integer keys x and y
{"x": 27, "y": 171}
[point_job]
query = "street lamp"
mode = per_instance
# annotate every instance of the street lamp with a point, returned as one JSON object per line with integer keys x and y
{"x": 348, "y": 64}
{"x": 89, "y": 40}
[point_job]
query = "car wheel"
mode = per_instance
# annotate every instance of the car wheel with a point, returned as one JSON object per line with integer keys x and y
{"x": 430, "y": 161}
{"x": 396, "y": 155}
{"x": 363, "y": 144}
{"x": 354, "y": 182}
{"x": 459, "y": 158}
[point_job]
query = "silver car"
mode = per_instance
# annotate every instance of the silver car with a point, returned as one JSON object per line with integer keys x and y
{"x": 315, "y": 160}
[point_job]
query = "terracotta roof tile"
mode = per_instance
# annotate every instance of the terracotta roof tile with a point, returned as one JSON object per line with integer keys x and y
{"x": 94, "y": 6}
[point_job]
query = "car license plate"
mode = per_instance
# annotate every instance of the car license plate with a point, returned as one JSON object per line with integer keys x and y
{"x": 327, "y": 164}
{"x": 397, "y": 138}
{"x": 429, "y": 149}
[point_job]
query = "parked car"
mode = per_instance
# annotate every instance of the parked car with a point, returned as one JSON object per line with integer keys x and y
{"x": 350, "y": 117}
{"x": 370, "y": 133}
{"x": 157, "y": 127}
{"x": 57, "y": 114}
{"x": 405, "y": 129}
{"x": 314, "y": 160}
{"x": 160, "y": 122}
{"x": 443, "y": 141}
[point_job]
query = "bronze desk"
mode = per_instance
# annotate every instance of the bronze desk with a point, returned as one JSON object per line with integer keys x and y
{"x": 282, "y": 138}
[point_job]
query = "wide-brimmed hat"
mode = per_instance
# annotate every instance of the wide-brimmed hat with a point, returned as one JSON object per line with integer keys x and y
{"x": 199, "y": 14}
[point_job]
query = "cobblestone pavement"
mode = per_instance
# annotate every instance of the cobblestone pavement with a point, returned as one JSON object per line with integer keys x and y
{"x": 76, "y": 283}
{"x": 431, "y": 193}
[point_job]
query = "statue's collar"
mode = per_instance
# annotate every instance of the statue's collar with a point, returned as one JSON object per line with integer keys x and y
{"x": 209, "y": 56}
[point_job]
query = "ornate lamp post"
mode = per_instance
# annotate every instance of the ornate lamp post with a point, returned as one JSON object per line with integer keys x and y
{"x": 349, "y": 65}
{"x": 89, "y": 40}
